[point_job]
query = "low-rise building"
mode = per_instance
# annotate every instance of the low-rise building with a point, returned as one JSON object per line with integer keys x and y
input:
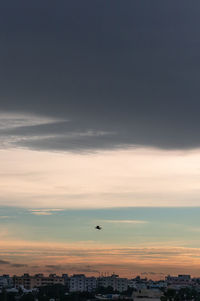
{"x": 147, "y": 295}
{"x": 181, "y": 279}
{"x": 178, "y": 282}
{"x": 66, "y": 279}
{"x": 37, "y": 280}
{"x": 114, "y": 281}
{"x": 5, "y": 281}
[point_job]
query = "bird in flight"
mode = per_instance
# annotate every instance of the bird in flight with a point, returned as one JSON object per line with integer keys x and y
{"x": 98, "y": 227}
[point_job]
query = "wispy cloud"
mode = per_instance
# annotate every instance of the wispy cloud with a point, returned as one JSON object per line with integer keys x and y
{"x": 44, "y": 211}
{"x": 20, "y": 120}
{"x": 41, "y": 213}
{"x": 125, "y": 221}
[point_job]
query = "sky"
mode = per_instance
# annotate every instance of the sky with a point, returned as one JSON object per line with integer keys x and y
{"x": 99, "y": 124}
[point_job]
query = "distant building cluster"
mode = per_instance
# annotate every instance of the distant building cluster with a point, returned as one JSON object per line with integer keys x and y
{"x": 76, "y": 283}
{"x": 142, "y": 287}
{"x": 37, "y": 280}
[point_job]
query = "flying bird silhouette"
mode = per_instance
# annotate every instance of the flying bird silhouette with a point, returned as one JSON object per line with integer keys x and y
{"x": 98, "y": 227}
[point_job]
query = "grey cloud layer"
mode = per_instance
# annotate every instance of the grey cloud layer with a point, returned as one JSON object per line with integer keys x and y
{"x": 15, "y": 265}
{"x": 121, "y": 73}
{"x": 4, "y": 262}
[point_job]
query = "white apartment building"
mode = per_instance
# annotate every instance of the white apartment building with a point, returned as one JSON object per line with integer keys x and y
{"x": 117, "y": 283}
{"x": 81, "y": 283}
{"x": 158, "y": 284}
{"x": 121, "y": 284}
{"x": 91, "y": 284}
{"x": 132, "y": 283}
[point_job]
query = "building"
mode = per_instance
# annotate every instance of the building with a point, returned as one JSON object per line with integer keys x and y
{"x": 178, "y": 282}
{"x": 66, "y": 279}
{"x": 29, "y": 282}
{"x": 138, "y": 283}
{"x": 181, "y": 279}
{"x": 157, "y": 284}
{"x": 81, "y": 283}
{"x": 77, "y": 283}
{"x": 114, "y": 281}
{"x": 132, "y": 283}
{"x": 121, "y": 284}
{"x": 91, "y": 284}
{"x": 5, "y": 281}
{"x": 184, "y": 277}
{"x": 147, "y": 295}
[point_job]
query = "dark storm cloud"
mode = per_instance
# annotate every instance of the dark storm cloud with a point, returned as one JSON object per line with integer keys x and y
{"x": 121, "y": 72}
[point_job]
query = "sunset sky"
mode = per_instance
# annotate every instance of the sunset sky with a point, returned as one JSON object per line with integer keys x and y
{"x": 100, "y": 125}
